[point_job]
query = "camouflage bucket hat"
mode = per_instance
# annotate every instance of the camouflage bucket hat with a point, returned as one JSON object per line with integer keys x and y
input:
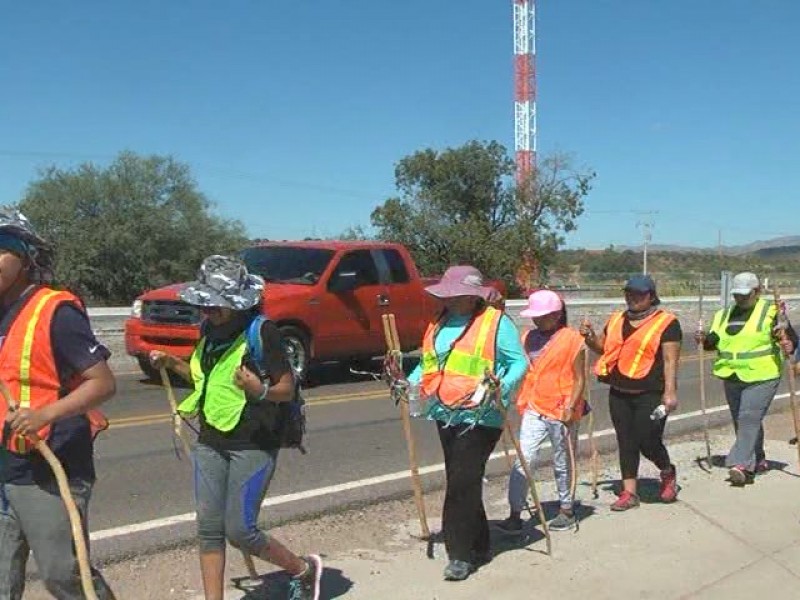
{"x": 224, "y": 282}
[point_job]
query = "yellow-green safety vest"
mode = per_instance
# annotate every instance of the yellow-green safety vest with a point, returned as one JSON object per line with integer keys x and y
{"x": 224, "y": 402}
{"x": 752, "y": 354}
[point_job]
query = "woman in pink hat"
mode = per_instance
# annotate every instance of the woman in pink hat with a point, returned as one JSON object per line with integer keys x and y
{"x": 551, "y": 404}
{"x": 469, "y": 345}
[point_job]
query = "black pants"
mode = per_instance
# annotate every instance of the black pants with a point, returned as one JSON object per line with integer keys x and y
{"x": 636, "y": 433}
{"x": 466, "y": 529}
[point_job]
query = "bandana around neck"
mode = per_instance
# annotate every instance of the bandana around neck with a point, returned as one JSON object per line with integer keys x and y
{"x": 638, "y": 316}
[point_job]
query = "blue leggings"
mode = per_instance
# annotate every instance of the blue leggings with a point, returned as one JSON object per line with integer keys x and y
{"x": 229, "y": 489}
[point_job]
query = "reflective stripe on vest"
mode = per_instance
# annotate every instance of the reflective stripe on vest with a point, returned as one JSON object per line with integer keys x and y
{"x": 645, "y": 339}
{"x": 548, "y": 383}
{"x": 27, "y": 364}
{"x": 27, "y": 347}
{"x": 223, "y": 402}
{"x": 751, "y": 354}
{"x": 454, "y": 377}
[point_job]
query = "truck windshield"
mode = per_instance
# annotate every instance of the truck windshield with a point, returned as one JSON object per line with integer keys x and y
{"x": 287, "y": 264}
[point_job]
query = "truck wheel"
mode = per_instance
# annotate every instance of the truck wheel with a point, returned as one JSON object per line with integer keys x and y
{"x": 295, "y": 341}
{"x": 149, "y": 371}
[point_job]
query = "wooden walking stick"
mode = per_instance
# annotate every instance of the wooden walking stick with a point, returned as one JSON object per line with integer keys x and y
{"x": 394, "y": 358}
{"x": 701, "y": 353}
{"x": 177, "y": 426}
{"x": 573, "y": 469}
{"x": 507, "y": 450}
{"x": 177, "y": 429}
{"x": 782, "y": 324}
{"x": 595, "y": 456}
{"x": 510, "y": 462}
{"x": 525, "y": 468}
{"x": 76, "y": 525}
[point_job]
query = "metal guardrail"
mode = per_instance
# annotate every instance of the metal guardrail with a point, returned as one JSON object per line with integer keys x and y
{"x": 125, "y": 311}
{"x": 667, "y": 300}
{"x": 109, "y": 311}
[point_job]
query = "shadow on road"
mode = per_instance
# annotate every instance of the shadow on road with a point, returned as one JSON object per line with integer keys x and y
{"x": 274, "y": 586}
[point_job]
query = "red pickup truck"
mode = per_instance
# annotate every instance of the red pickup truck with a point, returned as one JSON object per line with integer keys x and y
{"x": 327, "y": 298}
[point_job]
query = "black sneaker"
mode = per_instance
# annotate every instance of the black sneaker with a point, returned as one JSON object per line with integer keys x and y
{"x": 511, "y": 525}
{"x": 307, "y": 585}
{"x": 563, "y": 522}
{"x": 458, "y": 570}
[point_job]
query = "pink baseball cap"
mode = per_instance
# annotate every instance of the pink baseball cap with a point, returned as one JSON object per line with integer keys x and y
{"x": 542, "y": 302}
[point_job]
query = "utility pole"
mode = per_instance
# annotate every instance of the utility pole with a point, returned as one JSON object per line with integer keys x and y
{"x": 646, "y": 224}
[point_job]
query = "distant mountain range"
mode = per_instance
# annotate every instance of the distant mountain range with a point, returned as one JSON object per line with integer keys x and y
{"x": 781, "y": 245}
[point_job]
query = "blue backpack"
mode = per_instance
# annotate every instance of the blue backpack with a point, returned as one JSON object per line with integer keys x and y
{"x": 291, "y": 421}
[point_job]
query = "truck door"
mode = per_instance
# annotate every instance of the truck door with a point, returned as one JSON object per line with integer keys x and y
{"x": 350, "y": 312}
{"x": 405, "y": 297}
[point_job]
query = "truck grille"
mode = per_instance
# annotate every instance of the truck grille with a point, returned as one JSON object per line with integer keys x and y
{"x": 170, "y": 311}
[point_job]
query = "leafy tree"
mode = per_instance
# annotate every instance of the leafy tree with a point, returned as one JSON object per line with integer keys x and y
{"x": 353, "y": 233}
{"x": 460, "y": 205}
{"x": 139, "y": 223}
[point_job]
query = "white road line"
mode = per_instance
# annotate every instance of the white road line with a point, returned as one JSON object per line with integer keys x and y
{"x": 342, "y": 487}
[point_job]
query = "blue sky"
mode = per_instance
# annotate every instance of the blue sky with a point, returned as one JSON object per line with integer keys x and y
{"x": 292, "y": 114}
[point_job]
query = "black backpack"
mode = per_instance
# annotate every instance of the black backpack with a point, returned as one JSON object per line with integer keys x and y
{"x": 289, "y": 425}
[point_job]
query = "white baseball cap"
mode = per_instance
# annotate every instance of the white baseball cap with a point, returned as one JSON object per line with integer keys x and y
{"x": 744, "y": 283}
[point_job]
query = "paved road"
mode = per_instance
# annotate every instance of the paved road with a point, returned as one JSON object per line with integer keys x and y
{"x": 354, "y": 433}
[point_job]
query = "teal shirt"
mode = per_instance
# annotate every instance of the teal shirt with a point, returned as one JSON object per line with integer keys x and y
{"x": 511, "y": 365}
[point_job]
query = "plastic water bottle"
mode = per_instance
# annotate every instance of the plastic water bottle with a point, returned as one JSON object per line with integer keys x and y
{"x": 416, "y": 405}
{"x": 659, "y": 413}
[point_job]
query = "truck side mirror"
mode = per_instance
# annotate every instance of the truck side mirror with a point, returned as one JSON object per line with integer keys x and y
{"x": 346, "y": 281}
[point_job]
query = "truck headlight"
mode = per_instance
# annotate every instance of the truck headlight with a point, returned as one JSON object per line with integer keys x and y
{"x": 136, "y": 309}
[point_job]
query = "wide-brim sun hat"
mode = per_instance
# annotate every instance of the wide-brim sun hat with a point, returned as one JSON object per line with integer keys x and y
{"x": 541, "y": 303}
{"x": 462, "y": 280}
{"x": 223, "y": 282}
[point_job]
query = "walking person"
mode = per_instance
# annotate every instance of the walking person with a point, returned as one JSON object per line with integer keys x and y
{"x": 640, "y": 351}
{"x": 749, "y": 344}
{"x": 237, "y": 404}
{"x": 551, "y": 402}
{"x": 56, "y": 369}
{"x": 468, "y": 341}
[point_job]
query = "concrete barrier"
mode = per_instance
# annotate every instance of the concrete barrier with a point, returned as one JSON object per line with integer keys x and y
{"x": 110, "y": 320}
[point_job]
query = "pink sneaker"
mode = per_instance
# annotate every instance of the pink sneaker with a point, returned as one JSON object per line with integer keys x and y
{"x": 739, "y": 476}
{"x": 625, "y": 501}
{"x": 669, "y": 485}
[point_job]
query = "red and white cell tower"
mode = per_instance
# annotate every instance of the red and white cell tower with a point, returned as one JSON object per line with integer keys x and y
{"x": 525, "y": 88}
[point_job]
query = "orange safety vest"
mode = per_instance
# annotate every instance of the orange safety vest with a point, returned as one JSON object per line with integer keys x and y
{"x": 547, "y": 387}
{"x": 464, "y": 367}
{"x": 28, "y": 367}
{"x": 634, "y": 356}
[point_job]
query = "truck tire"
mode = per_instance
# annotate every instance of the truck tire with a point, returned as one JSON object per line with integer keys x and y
{"x": 296, "y": 343}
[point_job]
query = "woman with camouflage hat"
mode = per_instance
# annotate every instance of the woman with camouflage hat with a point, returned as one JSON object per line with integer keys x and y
{"x": 56, "y": 370}
{"x": 236, "y": 402}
